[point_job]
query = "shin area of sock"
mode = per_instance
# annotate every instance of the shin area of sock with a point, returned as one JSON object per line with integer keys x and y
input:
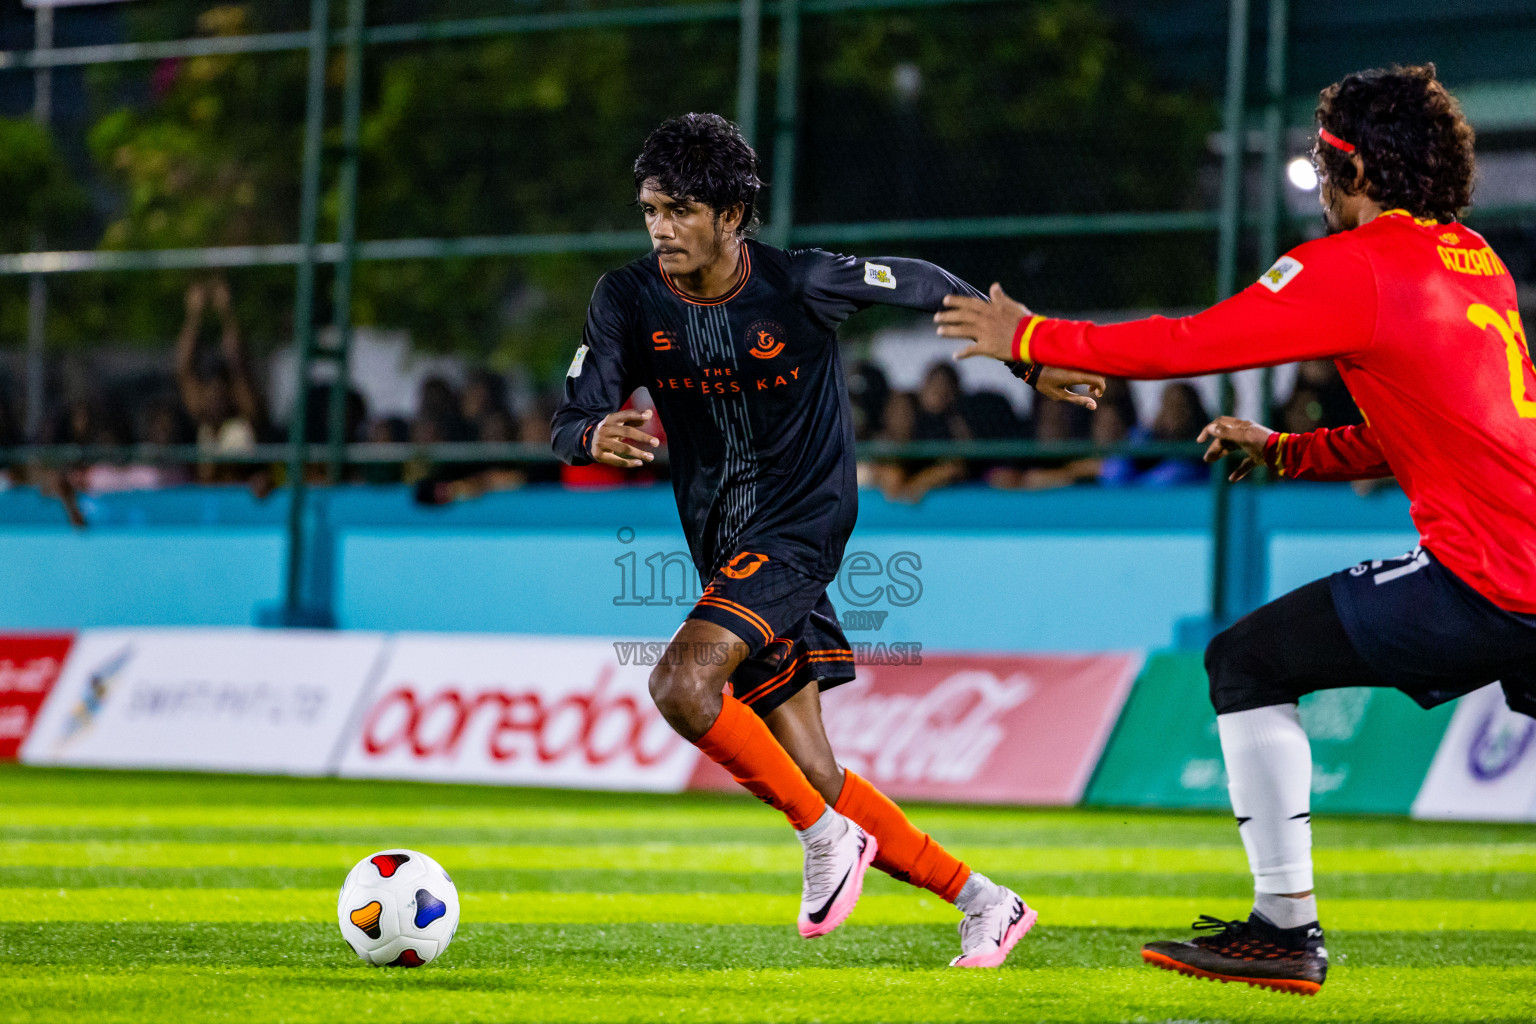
{"x": 905, "y": 852}
{"x": 740, "y": 743}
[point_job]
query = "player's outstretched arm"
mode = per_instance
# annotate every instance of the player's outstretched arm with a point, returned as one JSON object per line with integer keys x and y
{"x": 1317, "y": 302}
{"x": 1339, "y": 453}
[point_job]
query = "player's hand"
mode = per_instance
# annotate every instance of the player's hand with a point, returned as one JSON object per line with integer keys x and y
{"x": 1228, "y": 434}
{"x": 1054, "y": 382}
{"x": 617, "y": 442}
{"x": 989, "y": 325}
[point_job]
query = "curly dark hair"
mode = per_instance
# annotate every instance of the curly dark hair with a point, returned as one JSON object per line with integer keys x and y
{"x": 702, "y": 157}
{"x": 1410, "y": 134}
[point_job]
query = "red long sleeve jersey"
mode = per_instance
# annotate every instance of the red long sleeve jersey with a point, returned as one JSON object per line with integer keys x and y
{"x": 1421, "y": 320}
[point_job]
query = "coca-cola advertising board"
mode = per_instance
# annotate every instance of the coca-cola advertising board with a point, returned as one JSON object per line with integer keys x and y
{"x": 236, "y": 700}
{"x": 1006, "y": 728}
{"x": 1485, "y": 768}
{"x": 519, "y": 710}
{"x": 29, "y": 666}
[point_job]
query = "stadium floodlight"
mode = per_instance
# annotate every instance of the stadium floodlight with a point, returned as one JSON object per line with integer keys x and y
{"x": 1302, "y": 174}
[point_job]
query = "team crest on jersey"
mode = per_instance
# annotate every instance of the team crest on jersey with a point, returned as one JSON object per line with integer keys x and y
{"x": 1450, "y": 238}
{"x": 765, "y": 339}
{"x": 1281, "y": 274}
{"x": 743, "y": 565}
{"x": 577, "y": 362}
{"x": 879, "y": 276}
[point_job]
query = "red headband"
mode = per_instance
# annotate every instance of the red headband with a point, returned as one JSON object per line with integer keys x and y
{"x": 1334, "y": 141}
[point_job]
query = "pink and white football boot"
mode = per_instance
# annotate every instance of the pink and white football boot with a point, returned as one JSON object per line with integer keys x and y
{"x": 834, "y": 879}
{"x": 987, "y": 936}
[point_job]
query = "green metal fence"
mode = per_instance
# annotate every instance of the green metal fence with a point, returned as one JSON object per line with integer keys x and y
{"x": 354, "y": 39}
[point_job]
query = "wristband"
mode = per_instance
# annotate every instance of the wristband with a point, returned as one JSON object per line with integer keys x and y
{"x": 1029, "y": 373}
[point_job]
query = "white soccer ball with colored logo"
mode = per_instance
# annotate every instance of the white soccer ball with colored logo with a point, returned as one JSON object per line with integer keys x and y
{"x": 398, "y": 908}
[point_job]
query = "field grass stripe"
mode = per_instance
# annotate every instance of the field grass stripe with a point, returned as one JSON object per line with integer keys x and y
{"x": 299, "y": 996}
{"x": 1475, "y": 885}
{"x": 784, "y": 856}
{"x": 301, "y": 905}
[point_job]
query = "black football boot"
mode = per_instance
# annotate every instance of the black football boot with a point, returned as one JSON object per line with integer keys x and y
{"x": 1252, "y": 951}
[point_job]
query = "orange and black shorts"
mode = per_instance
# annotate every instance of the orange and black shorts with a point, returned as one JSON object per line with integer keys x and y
{"x": 790, "y": 628}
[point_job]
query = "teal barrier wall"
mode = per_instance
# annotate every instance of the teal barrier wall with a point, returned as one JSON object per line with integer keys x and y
{"x": 1370, "y": 748}
{"x": 969, "y": 569}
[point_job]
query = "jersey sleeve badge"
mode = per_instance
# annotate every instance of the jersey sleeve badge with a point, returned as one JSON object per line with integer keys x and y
{"x": 577, "y": 362}
{"x": 879, "y": 276}
{"x": 1281, "y": 274}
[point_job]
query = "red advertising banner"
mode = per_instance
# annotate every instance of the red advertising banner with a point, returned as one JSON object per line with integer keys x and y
{"x": 29, "y": 666}
{"x": 523, "y": 711}
{"x": 1007, "y": 728}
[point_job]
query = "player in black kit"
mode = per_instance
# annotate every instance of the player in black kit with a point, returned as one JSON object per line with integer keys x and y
{"x": 737, "y": 343}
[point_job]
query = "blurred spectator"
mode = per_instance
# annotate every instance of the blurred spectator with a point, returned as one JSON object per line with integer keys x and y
{"x": 105, "y": 422}
{"x": 485, "y": 396}
{"x": 869, "y": 392}
{"x": 1319, "y": 400}
{"x": 386, "y": 430}
{"x": 933, "y": 414}
{"x": 439, "y": 414}
{"x": 1053, "y": 421}
{"x": 219, "y": 395}
{"x": 1180, "y": 417}
{"x": 497, "y": 426}
{"x": 1111, "y": 423}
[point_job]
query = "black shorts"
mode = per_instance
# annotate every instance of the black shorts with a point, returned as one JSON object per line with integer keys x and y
{"x": 1431, "y": 635}
{"x": 1406, "y": 623}
{"x": 789, "y": 626}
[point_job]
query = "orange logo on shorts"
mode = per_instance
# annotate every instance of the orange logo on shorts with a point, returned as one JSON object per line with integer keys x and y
{"x": 766, "y": 339}
{"x": 744, "y": 565}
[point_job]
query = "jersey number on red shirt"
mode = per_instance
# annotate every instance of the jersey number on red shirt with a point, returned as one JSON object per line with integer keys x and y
{"x": 1515, "y": 347}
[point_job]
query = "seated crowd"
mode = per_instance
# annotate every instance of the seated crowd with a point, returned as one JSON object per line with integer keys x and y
{"x": 213, "y": 402}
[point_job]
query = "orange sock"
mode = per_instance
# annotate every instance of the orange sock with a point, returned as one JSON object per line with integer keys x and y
{"x": 904, "y": 853}
{"x": 740, "y": 743}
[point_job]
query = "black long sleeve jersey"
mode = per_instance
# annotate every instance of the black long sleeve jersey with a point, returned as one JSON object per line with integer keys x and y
{"x": 750, "y": 389}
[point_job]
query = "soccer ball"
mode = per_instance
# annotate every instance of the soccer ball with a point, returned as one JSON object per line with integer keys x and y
{"x": 398, "y": 908}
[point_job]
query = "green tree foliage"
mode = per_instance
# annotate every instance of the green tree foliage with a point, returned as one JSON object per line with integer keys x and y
{"x": 1017, "y": 108}
{"x": 42, "y": 200}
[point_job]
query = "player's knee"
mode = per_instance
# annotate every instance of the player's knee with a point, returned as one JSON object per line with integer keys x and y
{"x": 1238, "y": 680}
{"x": 681, "y": 691}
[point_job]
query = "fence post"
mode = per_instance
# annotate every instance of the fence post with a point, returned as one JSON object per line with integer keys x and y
{"x": 1272, "y": 194}
{"x": 37, "y": 284}
{"x": 1226, "y": 279}
{"x": 786, "y": 125}
{"x": 293, "y": 610}
{"x": 346, "y": 236}
{"x": 747, "y": 68}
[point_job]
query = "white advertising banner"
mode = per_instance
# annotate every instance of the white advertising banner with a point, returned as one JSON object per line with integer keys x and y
{"x": 238, "y": 700}
{"x": 520, "y": 710}
{"x": 1485, "y": 768}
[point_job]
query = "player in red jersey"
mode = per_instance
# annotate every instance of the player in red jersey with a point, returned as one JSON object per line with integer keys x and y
{"x": 1420, "y": 316}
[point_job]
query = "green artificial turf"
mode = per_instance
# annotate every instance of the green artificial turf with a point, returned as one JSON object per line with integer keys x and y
{"x": 143, "y": 897}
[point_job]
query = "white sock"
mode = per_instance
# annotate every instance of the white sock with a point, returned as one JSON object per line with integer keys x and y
{"x": 1269, "y": 777}
{"x": 1285, "y": 911}
{"x": 978, "y": 893}
{"x": 830, "y": 827}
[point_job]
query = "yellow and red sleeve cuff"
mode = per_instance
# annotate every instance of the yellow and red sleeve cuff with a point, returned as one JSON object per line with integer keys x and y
{"x": 1021, "y": 335}
{"x": 1274, "y": 452}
